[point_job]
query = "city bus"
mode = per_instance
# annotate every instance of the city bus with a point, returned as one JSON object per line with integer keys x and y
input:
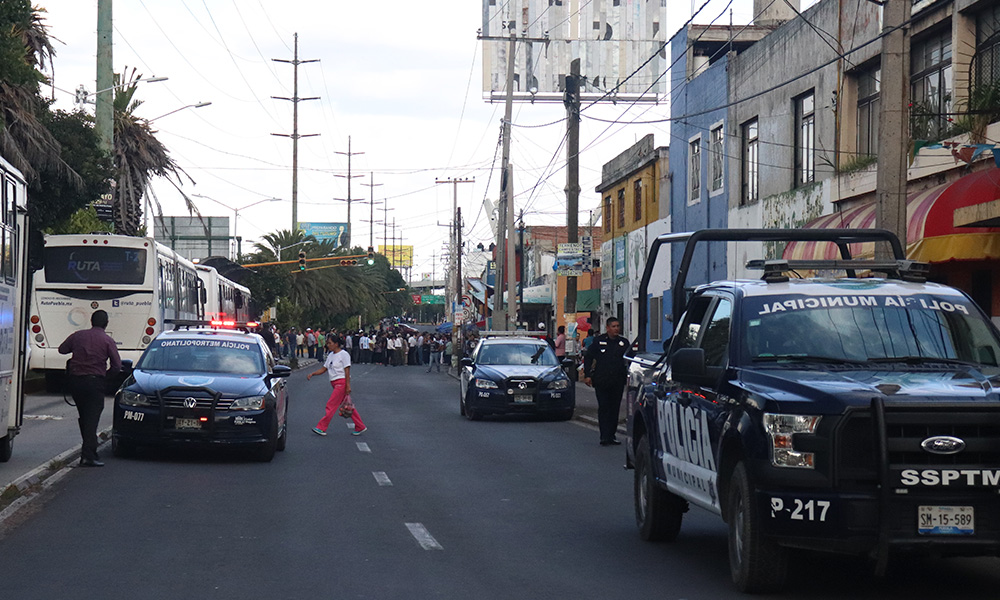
{"x": 223, "y": 299}
{"x": 138, "y": 281}
{"x": 13, "y": 303}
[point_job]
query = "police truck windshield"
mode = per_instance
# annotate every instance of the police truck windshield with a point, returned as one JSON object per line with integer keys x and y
{"x": 202, "y": 355}
{"x": 864, "y": 328}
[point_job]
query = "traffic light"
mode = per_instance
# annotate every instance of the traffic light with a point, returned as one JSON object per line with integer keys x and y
{"x": 302, "y": 260}
{"x": 371, "y": 255}
{"x": 348, "y": 262}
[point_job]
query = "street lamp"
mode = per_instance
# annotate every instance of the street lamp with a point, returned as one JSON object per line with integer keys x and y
{"x": 82, "y": 95}
{"x": 236, "y": 217}
{"x": 198, "y": 105}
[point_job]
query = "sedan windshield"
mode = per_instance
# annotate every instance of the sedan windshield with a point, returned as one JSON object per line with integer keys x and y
{"x": 517, "y": 354}
{"x": 868, "y": 328}
{"x": 203, "y": 355}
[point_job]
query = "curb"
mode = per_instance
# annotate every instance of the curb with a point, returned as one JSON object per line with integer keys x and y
{"x": 22, "y": 490}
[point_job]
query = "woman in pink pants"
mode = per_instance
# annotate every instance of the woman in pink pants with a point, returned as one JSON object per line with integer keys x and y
{"x": 338, "y": 365}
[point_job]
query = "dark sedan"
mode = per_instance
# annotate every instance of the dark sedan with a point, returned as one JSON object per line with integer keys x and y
{"x": 203, "y": 386}
{"x": 515, "y": 375}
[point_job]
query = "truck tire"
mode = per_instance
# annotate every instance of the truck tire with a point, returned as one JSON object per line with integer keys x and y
{"x": 658, "y": 513}
{"x": 756, "y": 564}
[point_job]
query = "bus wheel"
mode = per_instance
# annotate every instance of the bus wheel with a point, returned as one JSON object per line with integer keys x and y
{"x": 6, "y": 447}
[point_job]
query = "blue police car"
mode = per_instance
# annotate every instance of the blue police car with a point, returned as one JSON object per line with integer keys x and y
{"x": 200, "y": 385}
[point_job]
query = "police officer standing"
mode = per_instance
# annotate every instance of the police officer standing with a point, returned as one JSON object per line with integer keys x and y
{"x": 604, "y": 369}
{"x": 92, "y": 349}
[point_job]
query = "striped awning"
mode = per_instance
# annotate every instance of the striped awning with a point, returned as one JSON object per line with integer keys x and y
{"x": 930, "y": 232}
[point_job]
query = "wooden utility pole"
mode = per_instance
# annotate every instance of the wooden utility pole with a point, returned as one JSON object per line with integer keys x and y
{"x": 506, "y": 210}
{"x": 295, "y": 62}
{"x": 893, "y": 125}
{"x": 349, "y": 154}
{"x": 104, "y": 116}
{"x": 572, "y": 101}
{"x": 456, "y": 243}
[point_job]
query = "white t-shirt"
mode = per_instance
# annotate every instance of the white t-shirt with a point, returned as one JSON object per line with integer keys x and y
{"x": 336, "y": 363}
{"x": 365, "y": 342}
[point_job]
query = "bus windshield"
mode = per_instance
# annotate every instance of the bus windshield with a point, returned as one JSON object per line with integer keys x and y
{"x": 95, "y": 265}
{"x": 203, "y": 355}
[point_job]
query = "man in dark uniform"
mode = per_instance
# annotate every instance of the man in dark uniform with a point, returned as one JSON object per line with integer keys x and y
{"x": 604, "y": 369}
{"x": 92, "y": 349}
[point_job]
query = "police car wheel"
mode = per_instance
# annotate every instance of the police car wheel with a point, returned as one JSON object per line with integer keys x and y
{"x": 283, "y": 438}
{"x": 658, "y": 513}
{"x": 266, "y": 451}
{"x": 121, "y": 448}
{"x": 756, "y": 564}
{"x": 461, "y": 402}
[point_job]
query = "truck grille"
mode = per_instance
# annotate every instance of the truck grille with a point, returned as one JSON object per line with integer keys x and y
{"x": 906, "y": 428}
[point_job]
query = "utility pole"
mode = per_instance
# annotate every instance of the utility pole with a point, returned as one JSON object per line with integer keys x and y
{"x": 457, "y": 341}
{"x": 572, "y": 101}
{"x": 104, "y": 110}
{"x": 456, "y": 240}
{"x": 520, "y": 274}
{"x": 893, "y": 125}
{"x": 509, "y": 246}
{"x": 505, "y": 193}
{"x": 295, "y": 127}
{"x": 348, "y": 154}
{"x": 371, "y": 203}
{"x": 385, "y": 229}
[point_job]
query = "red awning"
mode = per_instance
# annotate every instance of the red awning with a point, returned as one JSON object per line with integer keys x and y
{"x": 930, "y": 232}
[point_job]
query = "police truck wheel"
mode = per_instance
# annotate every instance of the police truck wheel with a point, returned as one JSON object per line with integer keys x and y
{"x": 266, "y": 452}
{"x": 6, "y": 447}
{"x": 756, "y": 564}
{"x": 658, "y": 513}
{"x": 121, "y": 448}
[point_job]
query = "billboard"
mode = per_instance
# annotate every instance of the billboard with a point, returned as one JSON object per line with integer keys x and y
{"x": 194, "y": 237}
{"x": 326, "y": 232}
{"x": 612, "y": 38}
{"x": 400, "y": 257}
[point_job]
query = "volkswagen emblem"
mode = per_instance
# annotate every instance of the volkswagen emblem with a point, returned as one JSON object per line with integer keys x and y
{"x": 190, "y": 403}
{"x": 943, "y": 444}
{"x": 523, "y": 385}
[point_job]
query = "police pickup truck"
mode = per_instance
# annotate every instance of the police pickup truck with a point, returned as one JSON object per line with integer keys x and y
{"x": 857, "y": 415}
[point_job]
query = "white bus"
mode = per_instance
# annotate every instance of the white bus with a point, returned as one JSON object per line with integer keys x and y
{"x": 13, "y": 303}
{"x": 138, "y": 281}
{"x": 223, "y": 299}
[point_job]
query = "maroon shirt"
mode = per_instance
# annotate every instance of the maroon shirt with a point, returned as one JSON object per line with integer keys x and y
{"x": 92, "y": 349}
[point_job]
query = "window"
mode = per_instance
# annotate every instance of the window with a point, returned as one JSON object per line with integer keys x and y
{"x": 930, "y": 86}
{"x": 716, "y": 339}
{"x": 655, "y": 318}
{"x": 805, "y": 139}
{"x": 694, "y": 171}
{"x": 868, "y": 107}
{"x": 716, "y": 147}
{"x": 607, "y": 214}
{"x": 749, "y": 162}
{"x": 986, "y": 62}
{"x": 637, "y": 193}
{"x": 621, "y": 208}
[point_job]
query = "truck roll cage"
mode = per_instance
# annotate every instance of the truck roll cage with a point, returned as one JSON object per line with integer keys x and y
{"x": 841, "y": 237}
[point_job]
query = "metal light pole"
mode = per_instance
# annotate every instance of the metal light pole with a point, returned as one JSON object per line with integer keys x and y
{"x": 236, "y": 218}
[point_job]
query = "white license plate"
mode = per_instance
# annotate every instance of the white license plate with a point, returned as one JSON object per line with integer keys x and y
{"x": 523, "y": 398}
{"x": 946, "y": 520}
{"x": 187, "y": 424}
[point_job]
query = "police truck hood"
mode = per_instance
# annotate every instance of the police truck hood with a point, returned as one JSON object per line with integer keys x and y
{"x": 230, "y": 386}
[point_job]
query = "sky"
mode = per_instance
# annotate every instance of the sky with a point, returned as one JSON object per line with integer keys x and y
{"x": 401, "y": 79}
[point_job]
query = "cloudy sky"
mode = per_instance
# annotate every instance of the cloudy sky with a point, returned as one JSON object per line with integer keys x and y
{"x": 401, "y": 78}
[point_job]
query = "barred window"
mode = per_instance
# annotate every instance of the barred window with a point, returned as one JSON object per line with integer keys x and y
{"x": 694, "y": 171}
{"x": 621, "y": 208}
{"x": 607, "y": 214}
{"x": 805, "y": 139}
{"x": 868, "y": 107}
{"x": 987, "y": 58}
{"x": 637, "y": 192}
{"x": 931, "y": 86}
{"x": 716, "y": 145}
{"x": 750, "y": 166}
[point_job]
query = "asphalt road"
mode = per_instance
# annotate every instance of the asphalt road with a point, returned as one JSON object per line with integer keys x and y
{"x": 423, "y": 505}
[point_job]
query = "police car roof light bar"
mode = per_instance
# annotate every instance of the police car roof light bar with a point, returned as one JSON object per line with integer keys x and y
{"x": 907, "y": 270}
{"x": 245, "y": 326}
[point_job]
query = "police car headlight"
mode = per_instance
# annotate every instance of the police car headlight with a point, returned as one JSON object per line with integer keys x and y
{"x": 559, "y": 384}
{"x": 131, "y": 398}
{"x": 248, "y": 403}
{"x": 781, "y": 428}
{"x": 486, "y": 384}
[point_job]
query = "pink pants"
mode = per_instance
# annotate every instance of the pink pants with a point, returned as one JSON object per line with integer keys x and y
{"x": 336, "y": 398}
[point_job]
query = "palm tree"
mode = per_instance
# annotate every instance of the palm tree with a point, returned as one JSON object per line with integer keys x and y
{"x": 139, "y": 156}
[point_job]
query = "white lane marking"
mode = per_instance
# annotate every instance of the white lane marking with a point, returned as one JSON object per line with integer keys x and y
{"x": 424, "y": 538}
{"x": 381, "y": 478}
{"x": 44, "y": 417}
{"x": 350, "y": 424}
{"x": 362, "y": 446}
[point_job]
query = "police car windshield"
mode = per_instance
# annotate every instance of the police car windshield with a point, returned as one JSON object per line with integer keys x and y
{"x": 517, "y": 354}
{"x": 203, "y": 355}
{"x": 863, "y": 327}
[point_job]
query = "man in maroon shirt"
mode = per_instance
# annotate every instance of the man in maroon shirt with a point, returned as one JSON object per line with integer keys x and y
{"x": 92, "y": 349}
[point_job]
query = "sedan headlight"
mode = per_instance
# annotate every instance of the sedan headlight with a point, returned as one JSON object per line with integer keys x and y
{"x": 130, "y": 398}
{"x": 248, "y": 403}
{"x": 485, "y": 384}
{"x": 781, "y": 428}
{"x": 559, "y": 384}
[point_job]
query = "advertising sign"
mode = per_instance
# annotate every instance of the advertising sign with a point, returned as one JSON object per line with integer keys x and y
{"x": 621, "y": 260}
{"x": 587, "y": 251}
{"x": 569, "y": 260}
{"x": 431, "y": 299}
{"x": 327, "y": 232}
{"x": 398, "y": 256}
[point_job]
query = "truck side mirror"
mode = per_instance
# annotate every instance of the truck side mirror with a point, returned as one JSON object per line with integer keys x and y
{"x": 687, "y": 365}
{"x": 466, "y": 362}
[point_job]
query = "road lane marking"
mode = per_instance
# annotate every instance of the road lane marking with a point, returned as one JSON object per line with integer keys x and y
{"x": 44, "y": 417}
{"x": 381, "y": 478}
{"x": 362, "y": 446}
{"x": 423, "y": 537}
{"x": 350, "y": 424}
